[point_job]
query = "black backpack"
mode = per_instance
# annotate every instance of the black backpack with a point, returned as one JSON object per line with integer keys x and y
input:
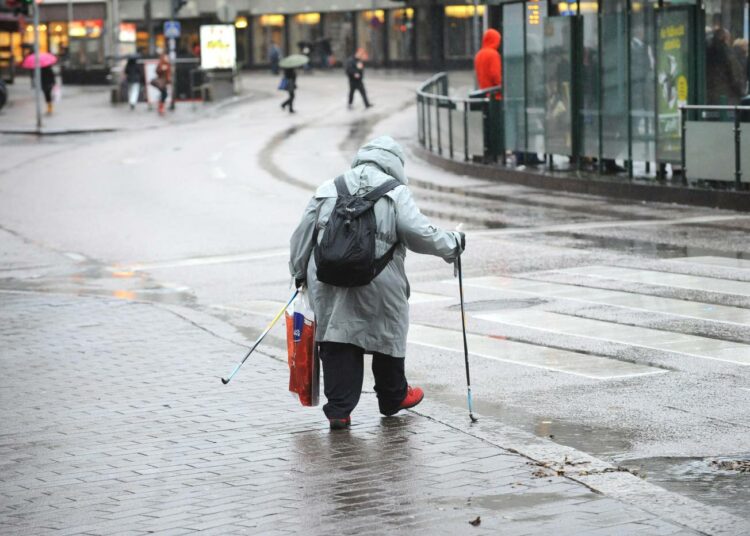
{"x": 345, "y": 256}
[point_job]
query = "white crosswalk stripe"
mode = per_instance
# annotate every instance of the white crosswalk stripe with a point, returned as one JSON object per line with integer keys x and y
{"x": 666, "y": 279}
{"x": 702, "y": 347}
{"x": 615, "y": 298}
{"x": 529, "y": 355}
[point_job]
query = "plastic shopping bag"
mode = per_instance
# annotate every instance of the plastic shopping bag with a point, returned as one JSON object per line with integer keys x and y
{"x": 304, "y": 367}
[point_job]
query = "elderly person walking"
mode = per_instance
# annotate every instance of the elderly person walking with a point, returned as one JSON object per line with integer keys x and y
{"x": 372, "y": 318}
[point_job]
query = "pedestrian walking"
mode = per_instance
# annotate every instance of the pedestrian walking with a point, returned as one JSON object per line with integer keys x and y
{"x": 48, "y": 83}
{"x": 162, "y": 80}
{"x": 372, "y": 318}
{"x": 134, "y": 78}
{"x": 274, "y": 56}
{"x": 289, "y": 84}
{"x": 355, "y": 71}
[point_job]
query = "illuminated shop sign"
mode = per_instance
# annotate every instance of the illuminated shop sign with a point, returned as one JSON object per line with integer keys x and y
{"x": 533, "y": 13}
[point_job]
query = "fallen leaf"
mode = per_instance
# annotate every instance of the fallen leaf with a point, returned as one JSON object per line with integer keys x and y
{"x": 476, "y": 522}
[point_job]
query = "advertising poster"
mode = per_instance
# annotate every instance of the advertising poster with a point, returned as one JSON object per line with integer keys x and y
{"x": 218, "y": 47}
{"x": 672, "y": 82}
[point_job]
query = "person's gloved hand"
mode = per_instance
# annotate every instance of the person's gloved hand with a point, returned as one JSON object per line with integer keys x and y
{"x": 463, "y": 240}
{"x": 298, "y": 283}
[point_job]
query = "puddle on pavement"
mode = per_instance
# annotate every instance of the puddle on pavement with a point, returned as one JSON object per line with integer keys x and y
{"x": 517, "y": 501}
{"x": 496, "y": 305}
{"x": 699, "y": 479}
{"x": 658, "y": 250}
{"x": 598, "y": 441}
{"x": 696, "y": 478}
{"x": 94, "y": 280}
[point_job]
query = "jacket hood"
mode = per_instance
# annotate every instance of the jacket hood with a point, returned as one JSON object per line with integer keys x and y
{"x": 386, "y": 154}
{"x": 491, "y": 39}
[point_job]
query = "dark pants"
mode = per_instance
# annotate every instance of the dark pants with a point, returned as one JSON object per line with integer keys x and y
{"x": 290, "y": 101}
{"x": 343, "y": 372}
{"x": 163, "y": 97}
{"x": 47, "y": 90}
{"x": 356, "y": 84}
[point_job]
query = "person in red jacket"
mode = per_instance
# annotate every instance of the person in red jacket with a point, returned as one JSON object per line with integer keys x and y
{"x": 488, "y": 63}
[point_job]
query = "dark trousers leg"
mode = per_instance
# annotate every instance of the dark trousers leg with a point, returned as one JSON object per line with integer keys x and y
{"x": 47, "y": 93}
{"x": 390, "y": 382}
{"x": 289, "y": 101}
{"x": 343, "y": 370}
{"x": 352, "y": 88}
{"x": 361, "y": 89}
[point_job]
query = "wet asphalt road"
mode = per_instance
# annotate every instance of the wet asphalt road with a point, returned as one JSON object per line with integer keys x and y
{"x": 618, "y": 328}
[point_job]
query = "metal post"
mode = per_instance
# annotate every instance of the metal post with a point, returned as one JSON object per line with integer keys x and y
{"x": 419, "y": 120}
{"x": 429, "y": 124}
{"x": 450, "y": 129}
{"x": 466, "y": 131}
{"x": 173, "y": 55}
{"x": 737, "y": 148}
{"x": 116, "y": 28}
{"x": 475, "y": 25}
{"x": 437, "y": 125}
{"x": 683, "y": 119}
{"x": 37, "y": 71}
{"x": 149, "y": 27}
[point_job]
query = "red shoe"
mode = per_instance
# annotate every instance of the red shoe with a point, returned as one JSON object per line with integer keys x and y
{"x": 340, "y": 424}
{"x": 414, "y": 396}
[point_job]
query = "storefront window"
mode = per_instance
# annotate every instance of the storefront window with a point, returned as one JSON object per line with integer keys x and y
{"x": 423, "y": 33}
{"x": 614, "y": 83}
{"x": 268, "y": 30}
{"x": 514, "y": 87}
{"x": 458, "y": 28}
{"x": 558, "y": 65}
{"x": 305, "y": 35}
{"x": 589, "y": 85}
{"x": 339, "y": 33}
{"x": 535, "y": 86}
{"x": 401, "y": 34}
{"x": 370, "y": 34}
{"x": 242, "y": 40}
{"x": 727, "y": 37}
{"x": 643, "y": 82}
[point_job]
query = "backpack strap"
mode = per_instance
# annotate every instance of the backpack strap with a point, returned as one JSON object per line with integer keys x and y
{"x": 380, "y": 191}
{"x": 341, "y": 188}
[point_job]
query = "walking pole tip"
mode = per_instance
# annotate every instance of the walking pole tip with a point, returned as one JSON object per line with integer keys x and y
{"x": 225, "y": 381}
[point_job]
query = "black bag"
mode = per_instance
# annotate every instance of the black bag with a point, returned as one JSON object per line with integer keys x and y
{"x": 345, "y": 256}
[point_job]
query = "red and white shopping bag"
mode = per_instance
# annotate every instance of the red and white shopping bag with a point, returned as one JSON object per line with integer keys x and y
{"x": 304, "y": 367}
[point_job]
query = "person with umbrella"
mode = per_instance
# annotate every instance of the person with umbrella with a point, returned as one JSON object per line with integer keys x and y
{"x": 289, "y": 80}
{"x": 46, "y": 61}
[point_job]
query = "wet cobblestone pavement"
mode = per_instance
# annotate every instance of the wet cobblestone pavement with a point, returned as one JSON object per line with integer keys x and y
{"x": 114, "y": 422}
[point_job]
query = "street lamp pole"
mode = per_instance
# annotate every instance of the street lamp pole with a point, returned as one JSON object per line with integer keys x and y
{"x": 37, "y": 70}
{"x": 173, "y": 53}
{"x": 475, "y": 25}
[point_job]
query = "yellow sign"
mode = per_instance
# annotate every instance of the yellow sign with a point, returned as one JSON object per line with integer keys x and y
{"x": 533, "y": 12}
{"x": 682, "y": 89}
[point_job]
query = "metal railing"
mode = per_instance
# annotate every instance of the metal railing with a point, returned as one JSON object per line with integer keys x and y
{"x": 709, "y": 139}
{"x": 437, "y": 110}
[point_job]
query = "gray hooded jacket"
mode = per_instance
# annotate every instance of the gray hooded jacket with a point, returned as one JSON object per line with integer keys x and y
{"x": 374, "y": 317}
